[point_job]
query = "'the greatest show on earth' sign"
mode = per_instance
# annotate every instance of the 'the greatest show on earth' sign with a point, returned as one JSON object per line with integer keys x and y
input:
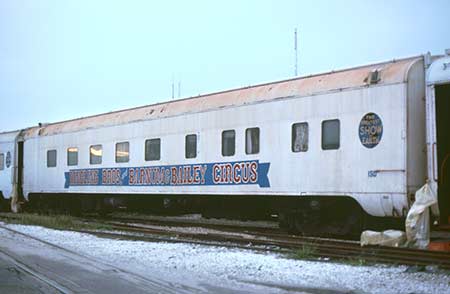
{"x": 370, "y": 130}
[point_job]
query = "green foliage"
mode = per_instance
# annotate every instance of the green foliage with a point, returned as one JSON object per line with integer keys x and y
{"x": 356, "y": 261}
{"x": 305, "y": 252}
{"x": 61, "y": 222}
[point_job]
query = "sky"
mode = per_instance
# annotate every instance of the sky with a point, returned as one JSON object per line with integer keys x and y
{"x": 67, "y": 59}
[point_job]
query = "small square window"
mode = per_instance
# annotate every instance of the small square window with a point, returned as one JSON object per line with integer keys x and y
{"x": 2, "y": 161}
{"x": 51, "y": 158}
{"x": 123, "y": 152}
{"x": 72, "y": 156}
{"x": 191, "y": 146}
{"x": 153, "y": 149}
{"x": 300, "y": 137}
{"x": 95, "y": 154}
{"x": 228, "y": 142}
{"x": 252, "y": 141}
{"x": 330, "y": 134}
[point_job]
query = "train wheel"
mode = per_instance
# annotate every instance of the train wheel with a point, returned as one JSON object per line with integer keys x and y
{"x": 292, "y": 225}
{"x": 299, "y": 225}
{"x": 283, "y": 222}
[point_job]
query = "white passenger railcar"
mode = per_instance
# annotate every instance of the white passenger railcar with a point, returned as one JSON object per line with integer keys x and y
{"x": 349, "y": 140}
{"x": 7, "y": 165}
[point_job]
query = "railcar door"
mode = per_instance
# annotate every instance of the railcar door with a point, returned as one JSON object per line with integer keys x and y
{"x": 19, "y": 168}
{"x": 442, "y": 96}
{"x": 438, "y": 132}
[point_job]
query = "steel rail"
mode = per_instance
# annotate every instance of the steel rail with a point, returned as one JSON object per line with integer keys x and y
{"x": 189, "y": 223}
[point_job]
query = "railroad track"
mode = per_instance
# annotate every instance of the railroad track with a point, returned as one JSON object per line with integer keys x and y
{"x": 262, "y": 238}
{"x": 252, "y": 237}
{"x": 182, "y": 222}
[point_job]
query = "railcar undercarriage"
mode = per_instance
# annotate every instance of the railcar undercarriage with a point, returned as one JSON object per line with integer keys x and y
{"x": 316, "y": 216}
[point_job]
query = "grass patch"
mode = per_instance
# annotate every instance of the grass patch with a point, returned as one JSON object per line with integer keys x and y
{"x": 305, "y": 252}
{"x": 308, "y": 252}
{"x": 355, "y": 261}
{"x": 57, "y": 221}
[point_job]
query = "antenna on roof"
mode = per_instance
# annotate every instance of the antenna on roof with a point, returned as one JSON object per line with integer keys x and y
{"x": 179, "y": 89}
{"x": 173, "y": 87}
{"x": 296, "y": 55}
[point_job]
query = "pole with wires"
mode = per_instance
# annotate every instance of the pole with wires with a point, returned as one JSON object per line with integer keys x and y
{"x": 296, "y": 54}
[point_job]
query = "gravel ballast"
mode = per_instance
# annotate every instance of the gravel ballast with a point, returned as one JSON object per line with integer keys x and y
{"x": 219, "y": 269}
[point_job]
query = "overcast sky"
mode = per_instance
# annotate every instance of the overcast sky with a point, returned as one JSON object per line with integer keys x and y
{"x": 66, "y": 59}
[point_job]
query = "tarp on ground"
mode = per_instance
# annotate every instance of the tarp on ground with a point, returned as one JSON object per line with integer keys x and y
{"x": 391, "y": 238}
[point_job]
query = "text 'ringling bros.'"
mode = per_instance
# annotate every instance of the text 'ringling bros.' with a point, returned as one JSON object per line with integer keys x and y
{"x": 208, "y": 174}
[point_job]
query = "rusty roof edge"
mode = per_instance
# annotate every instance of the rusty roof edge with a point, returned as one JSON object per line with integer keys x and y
{"x": 18, "y": 130}
{"x": 237, "y": 89}
{"x": 223, "y": 107}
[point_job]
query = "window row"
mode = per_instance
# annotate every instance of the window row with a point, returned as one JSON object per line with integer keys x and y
{"x": 152, "y": 152}
{"x": 330, "y": 135}
{"x": 300, "y": 137}
{"x": 251, "y": 142}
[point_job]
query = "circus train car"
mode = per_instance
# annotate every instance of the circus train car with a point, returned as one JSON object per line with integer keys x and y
{"x": 326, "y": 151}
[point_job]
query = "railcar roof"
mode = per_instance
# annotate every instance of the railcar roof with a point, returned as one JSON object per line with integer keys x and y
{"x": 392, "y": 72}
{"x": 9, "y": 136}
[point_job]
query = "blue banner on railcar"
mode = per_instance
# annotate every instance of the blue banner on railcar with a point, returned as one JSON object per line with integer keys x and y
{"x": 204, "y": 174}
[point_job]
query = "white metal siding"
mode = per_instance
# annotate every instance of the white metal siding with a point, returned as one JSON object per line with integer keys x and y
{"x": 315, "y": 172}
{"x": 7, "y": 144}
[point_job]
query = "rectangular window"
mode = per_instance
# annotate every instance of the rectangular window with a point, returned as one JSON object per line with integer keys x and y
{"x": 123, "y": 152}
{"x": 51, "y": 158}
{"x": 330, "y": 134}
{"x": 191, "y": 146}
{"x": 300, "y": 137}
{"x": 153, "y": 149}
{"x": 228, "y": 142}
{"x": 95, "y": 154}
{"x": 72, "y": 156}
{"x": 252, "y": 141}
{"x": 2, "y": 161}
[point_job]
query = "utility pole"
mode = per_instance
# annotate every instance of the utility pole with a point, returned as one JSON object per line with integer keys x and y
{"x": 296, "y": 55}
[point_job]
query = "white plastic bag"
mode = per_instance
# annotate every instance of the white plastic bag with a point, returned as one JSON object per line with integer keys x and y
{"x": 418, "y": 218}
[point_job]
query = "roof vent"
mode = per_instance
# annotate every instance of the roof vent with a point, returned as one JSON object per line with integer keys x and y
{"x": 374, "y": 76}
